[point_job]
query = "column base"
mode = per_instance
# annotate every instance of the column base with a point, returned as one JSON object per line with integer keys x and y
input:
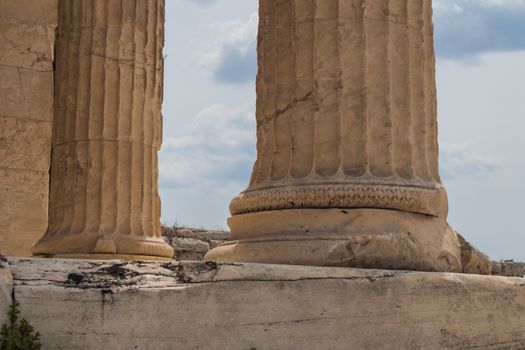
{"x": 364, "y": 238}
{"x": 81, "y": 246}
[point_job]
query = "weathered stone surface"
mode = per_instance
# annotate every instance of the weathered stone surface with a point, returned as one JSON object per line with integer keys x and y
{"x": 26, "y": 95}
{"x": 476, "y": 262}
{"x": 151, "y": 305}
{"x": 6, "y": 287}
{"x": 192, "y": 243}
{"x": 24, "y": 144}
{"x": 27, "y": 40}
{"x": 107, "y": 131}
{"x": 508, "y": 268}
{"x": 200, "y": 234}
{"x": 37, "y": 12}
{"x": 346, "y": 120}
{"x": 366, "y": 238}
{"x": 23, "y": 217}
{"x": 26, "y": 110}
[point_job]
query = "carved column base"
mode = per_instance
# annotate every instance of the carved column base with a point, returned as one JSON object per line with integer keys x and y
{"x": 96, "y": 247}
{"x": 362, "y": 238}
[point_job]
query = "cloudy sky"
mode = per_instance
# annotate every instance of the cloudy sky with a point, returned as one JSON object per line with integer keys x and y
{"x": 209, "y": 125}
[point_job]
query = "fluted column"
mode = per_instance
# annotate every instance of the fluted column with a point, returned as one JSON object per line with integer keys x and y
{"x": 107, "y": 130}
{"x": 347, "y": 156}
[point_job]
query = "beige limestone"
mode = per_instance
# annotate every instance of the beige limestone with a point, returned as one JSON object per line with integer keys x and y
{"x": 106, "y": 131}
{"x": 191, "y": 244}
{"x": 346, "y": 121}
{"x": 144, "y": 305}
{"x": 26, "y": 110}
{"x": 387, "y": 239}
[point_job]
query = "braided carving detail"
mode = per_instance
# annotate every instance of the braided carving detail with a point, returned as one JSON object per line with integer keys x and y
{"x": 413, "y": 199}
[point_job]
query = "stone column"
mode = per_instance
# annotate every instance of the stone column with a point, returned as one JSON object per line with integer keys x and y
{"x": 107, "y": 131}
{"x": 347, "y": 154}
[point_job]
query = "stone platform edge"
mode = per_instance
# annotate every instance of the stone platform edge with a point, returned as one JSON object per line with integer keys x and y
{"x": 80, "y": 304}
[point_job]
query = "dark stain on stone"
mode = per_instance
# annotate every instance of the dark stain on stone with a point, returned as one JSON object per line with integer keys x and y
{"x": 211, "y": 264}
{"x": 102, "y": 278}
{"x": 184, "y": 273}
{"x": 75, "y": 278}
{"x": 179, "y": 272}
{"x": 118, "y": 271}
{"x": 170, "y": 266}
{"x": 106, "y": 292}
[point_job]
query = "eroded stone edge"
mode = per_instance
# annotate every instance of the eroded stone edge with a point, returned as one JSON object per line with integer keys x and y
{"x": 117, "y": 275}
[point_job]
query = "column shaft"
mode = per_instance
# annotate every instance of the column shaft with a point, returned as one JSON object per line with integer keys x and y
{"x": 346, "y": 119}
{"x": 346, "y": 104}
{"x": 107, "y": 130}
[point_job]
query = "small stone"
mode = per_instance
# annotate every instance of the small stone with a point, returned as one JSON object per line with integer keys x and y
{"x": 188, "y": 256}
{"x": 203, "y": 235}
{"x": 6, "y": 288}
{"x": 189, "y": 245}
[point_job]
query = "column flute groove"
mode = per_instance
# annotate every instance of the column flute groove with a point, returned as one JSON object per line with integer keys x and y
{"x": 293, "y": 113}
{"x": 302, "y": 161}
{"x": 432, "y": 100}
{"x": 68, "y": 127}
{"x": 401, "y": 98}
{"x": 273, "y": 114}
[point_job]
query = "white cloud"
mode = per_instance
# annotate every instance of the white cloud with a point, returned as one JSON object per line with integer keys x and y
{"x": 457, "y": 161}
{"x": 507, "y": 3}
{"x": 467, "y": 28}
{"x": 232, "y": 57}
{"x": 452, "y": 5}
{"x": 202, "y": 2}
{"x": 217, "y": 147}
